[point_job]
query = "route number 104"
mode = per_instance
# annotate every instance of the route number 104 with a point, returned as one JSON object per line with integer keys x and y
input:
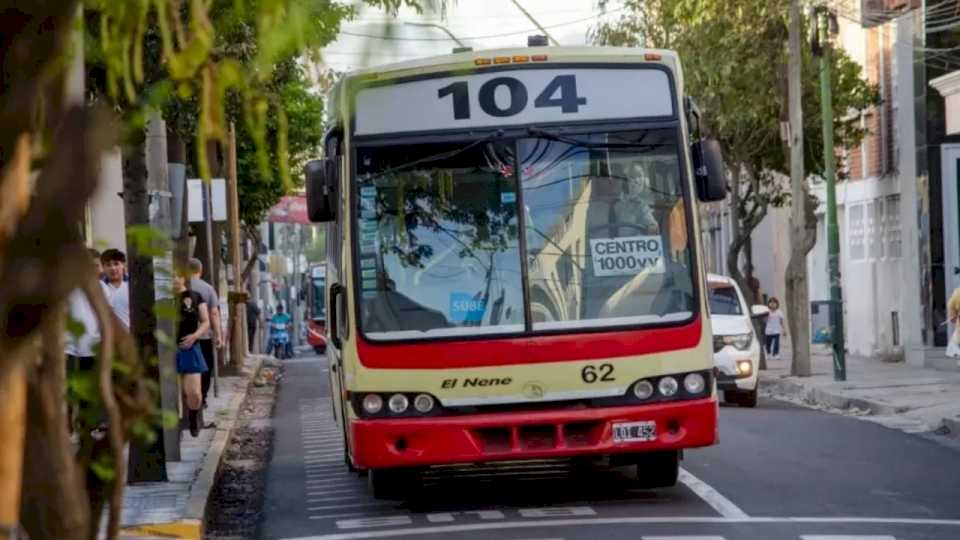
{"x": 559, "y": 92}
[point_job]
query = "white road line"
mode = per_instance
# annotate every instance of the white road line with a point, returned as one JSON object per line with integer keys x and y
{"x": 846, "y": 537}
{"x": 718, "y": 502}
{"x": 682, "y": 537}
{"x": 347, "y": 515}
{"x": 336, "y": 506}
{"x": 333, "y": 482}
{"x": 321, "y": 500}
{"x": 327, "y": 472}
{"x": 414, "y": 531}
{"x": 312, "y": 493}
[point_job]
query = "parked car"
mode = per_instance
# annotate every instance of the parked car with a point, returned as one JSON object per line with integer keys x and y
{"x": 736, "y": 347}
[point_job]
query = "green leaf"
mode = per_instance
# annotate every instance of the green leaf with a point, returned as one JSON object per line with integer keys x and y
{"x": 103, "y": 468}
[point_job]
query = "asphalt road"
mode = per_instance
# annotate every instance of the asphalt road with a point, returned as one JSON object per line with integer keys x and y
{"x": 779, "y": 472}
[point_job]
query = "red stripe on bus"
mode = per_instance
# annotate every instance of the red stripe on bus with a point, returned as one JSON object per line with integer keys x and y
{"x": 527, "y": 350}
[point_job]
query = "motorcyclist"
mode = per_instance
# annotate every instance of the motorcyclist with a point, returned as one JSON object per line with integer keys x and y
{"x": 281, "y": 325}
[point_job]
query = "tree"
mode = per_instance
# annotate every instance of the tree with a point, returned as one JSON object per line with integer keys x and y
{"x": 42, "y": 254}
{"x": 734, "y": 64}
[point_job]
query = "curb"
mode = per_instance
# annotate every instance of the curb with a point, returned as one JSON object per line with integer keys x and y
{"x": 191, "y": 524}
{"x": 952, "y": 424}
{"x": 828, "y": 398}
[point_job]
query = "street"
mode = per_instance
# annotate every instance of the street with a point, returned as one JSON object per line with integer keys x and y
{"x": 779, "y": 472}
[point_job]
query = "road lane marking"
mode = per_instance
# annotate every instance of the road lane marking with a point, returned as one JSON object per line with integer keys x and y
{"x": 328, "y": 492}
{"x": 846, "y": 537}
{"x": 337, "y": 506}
{"x": 345, "y": 515}
{"x": 702, "y": 537}
{"x": 446, "y": 529}
{"x": 718, "y": 502}
{"x": 317, "y": 477}
{"x": 333, "y": 482}
{"x": 315, "y": 500}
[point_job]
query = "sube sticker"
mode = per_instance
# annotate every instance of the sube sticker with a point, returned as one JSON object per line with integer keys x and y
{"x": 464, "y": 307}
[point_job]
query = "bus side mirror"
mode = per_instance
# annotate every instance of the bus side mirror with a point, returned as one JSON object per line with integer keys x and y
{"x": 321, "y": 182}
{"x": 709, "y": 171}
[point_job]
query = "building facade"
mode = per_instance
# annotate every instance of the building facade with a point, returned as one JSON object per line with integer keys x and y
{"x": 898, "y": 217}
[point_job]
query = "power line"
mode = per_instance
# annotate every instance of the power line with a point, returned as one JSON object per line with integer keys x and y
{"x": 489, "y": 36}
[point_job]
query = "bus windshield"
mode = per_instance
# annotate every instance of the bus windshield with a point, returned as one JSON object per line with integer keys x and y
{"x": 603, "y": 231}
{"x": 319, "y": 284}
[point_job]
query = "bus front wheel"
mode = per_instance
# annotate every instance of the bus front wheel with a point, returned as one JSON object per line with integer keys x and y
{"x": 393, "y": 484}
{"x": 658, "y": 469}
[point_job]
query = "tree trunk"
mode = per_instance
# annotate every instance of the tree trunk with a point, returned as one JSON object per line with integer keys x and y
{"x": 13, "y": 393}
{"x": 797, "y": 301}
{"x": 147, "y": 462}
{"x": 54, "y": 504}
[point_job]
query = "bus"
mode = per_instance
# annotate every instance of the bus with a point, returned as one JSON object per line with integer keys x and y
{"x": 316, "y": 287}
{"x": 514, "y": 272}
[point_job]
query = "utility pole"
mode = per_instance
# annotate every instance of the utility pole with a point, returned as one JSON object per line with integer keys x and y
{"x": 207, "y": 187}
{"x": 535, "y": 23}
{"x": 237, "y": 352}
{"x": 833, "y": 233}
{"x": 798, "y": 302}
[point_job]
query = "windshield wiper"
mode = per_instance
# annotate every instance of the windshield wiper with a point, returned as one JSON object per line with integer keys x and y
{"x": 552, "y": 136}
{"x": 442, "y": 155}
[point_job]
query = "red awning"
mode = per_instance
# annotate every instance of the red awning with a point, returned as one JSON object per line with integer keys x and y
{"x": 290, "y": 209}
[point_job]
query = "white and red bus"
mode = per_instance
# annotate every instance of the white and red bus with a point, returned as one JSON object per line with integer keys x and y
{"x": 316, "y": 287}
{"x": 514, "y": 273}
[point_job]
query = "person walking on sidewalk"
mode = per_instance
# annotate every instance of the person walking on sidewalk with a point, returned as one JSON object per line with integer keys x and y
{"x": 775, "y": 327}
{"x": 80, "y": 349}
{"x": 208, "y": 339}
{"x": 193, "y": 322}
{"x": 116, "y": 287}
{"x": 953, "y": 316}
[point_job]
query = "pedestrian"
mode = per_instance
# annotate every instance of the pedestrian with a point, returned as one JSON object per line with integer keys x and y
{"x": 80, "y": 349}
{"x": 214, "y": 335}
{"x": 193, "y": 322}
{"x": 253, "y": 315}
{"x": 775, "y": 327}
{"x": 953, "y": 316}
{"x": 115, "y": 286}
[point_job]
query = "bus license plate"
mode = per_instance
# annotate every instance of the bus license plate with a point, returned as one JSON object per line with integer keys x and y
{"x": 635, "y": 432}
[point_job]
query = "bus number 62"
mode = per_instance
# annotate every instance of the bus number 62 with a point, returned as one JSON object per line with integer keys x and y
{"x": 602, "y": 373}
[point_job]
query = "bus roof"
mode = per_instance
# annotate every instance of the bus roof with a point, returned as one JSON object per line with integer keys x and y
{"x": 466, "y": 60}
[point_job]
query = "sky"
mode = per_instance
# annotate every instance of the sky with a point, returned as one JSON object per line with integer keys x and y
{"x": 568, "y": 21}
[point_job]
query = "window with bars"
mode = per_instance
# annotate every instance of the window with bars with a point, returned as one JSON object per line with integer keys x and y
{"x": 891, "y": 226}
{"x": 874, "y": 229}
{"x": 855, "y": 233}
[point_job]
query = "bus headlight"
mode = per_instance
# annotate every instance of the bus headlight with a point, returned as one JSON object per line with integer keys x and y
{"x": 398, "y": 403}
{"x": 668, "y": 386}
{"x": 423, "y": 403}
{"x": 693, "y": 383}
{"x": 372, "y": 403}
{"x": 643, "y": 389}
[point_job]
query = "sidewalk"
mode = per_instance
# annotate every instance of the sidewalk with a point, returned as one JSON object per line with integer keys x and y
{"x": 175, "y": 509}
{"x": 898, "y": 395}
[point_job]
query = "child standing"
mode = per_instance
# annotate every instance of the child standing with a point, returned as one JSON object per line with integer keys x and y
{"x": 774, "y": 329}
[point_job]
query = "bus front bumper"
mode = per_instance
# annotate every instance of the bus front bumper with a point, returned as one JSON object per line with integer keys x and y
{"x": 411, "y": 442}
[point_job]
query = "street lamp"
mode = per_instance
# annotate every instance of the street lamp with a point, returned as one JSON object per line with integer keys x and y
{"x": 441, "y": 27}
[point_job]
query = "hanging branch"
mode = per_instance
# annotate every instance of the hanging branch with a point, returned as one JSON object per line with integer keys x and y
{"x": 93, "y": 292}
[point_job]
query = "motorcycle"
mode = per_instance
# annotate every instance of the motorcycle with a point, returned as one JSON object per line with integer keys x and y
{"x": 280, "y": 342}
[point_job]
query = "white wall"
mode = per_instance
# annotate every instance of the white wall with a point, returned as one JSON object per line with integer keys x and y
{"x": 106, "y": 207}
